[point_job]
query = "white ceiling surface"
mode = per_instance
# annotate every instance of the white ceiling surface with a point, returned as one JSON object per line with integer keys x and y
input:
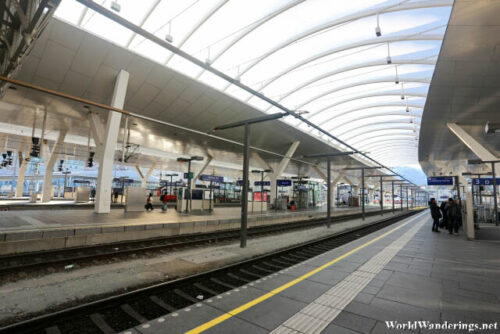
{"x": 75, "y": 62}
{"x": 308, "y": 55}
{"x": 466, "y": 84}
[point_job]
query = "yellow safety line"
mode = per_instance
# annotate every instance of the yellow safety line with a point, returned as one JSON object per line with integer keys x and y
{"x": 268, "y": 295}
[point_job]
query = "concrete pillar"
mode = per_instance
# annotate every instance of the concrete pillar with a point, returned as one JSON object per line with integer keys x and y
{"x": 145, "y": 178}
{"x": 23, "y": 165}
{"x": 469, "y": 222}
{"x": 198, "y": 174}
{"x": 109, "y": 141}
{"x": 50, "y": 159}
{"x": 281, "y": 169}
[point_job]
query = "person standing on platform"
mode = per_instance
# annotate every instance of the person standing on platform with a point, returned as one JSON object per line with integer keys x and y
{"x": 149, "y": 205}
{"x": 453, "y": 216}
{"x": 163, "y": 199}
{"x": 443, "y": 207}
{"x": 435, "y": 214}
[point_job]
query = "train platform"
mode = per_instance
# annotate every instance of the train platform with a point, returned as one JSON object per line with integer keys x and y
{"x": 55, "y": 229}
{"x": 401, "y": 278}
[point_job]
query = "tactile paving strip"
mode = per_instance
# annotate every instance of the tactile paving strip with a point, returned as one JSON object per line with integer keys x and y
{"x": 316, "y": 316}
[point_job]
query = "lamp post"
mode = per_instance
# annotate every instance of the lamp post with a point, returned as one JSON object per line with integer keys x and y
{"x": 188, "y": 160}
{"x": 329, "y": 157}
{"x": 171, "y": 181}
{"x": 262, "y": 172}
{"x": 246, "y": 161}
{"x": 363, "y": 184}
{"x": 381, "y": 190}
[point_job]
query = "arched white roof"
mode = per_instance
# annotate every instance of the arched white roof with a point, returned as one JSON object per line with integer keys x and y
{"x": 319, "y": 56}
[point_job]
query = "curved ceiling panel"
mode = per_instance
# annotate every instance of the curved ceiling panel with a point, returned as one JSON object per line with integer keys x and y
{"x": 330, "y": 62}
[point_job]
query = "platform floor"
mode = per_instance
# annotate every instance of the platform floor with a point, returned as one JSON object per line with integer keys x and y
{"x": 47, "y": 219}
{"x": 401, "y": 274}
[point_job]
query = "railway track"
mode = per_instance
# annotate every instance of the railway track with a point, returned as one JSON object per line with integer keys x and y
{"x": 114, "y": 251}
{"x": 120, "y": 312}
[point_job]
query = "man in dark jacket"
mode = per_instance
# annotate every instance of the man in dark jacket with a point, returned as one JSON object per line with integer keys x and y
{"x": 444, "y": 222}
{"x": 454, "y": 216}
{"x": 435, "y": 214}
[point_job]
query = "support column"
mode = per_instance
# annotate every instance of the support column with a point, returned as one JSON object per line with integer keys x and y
{"x": 110, "y": 137}
{"x": 50, "y": 160}
{"x": 329, "y": 190}
{"x": 145, "y": 178}
{"x": 281, "y": 169}
{"x": 23, "y": 165}
{"x": 205, "y": 165}
{"x": 471, "y": 143}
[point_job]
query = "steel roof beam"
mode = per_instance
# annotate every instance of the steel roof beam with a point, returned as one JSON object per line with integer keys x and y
{"x": 373, "y": 41}
{"x": 362, "y": 14}
{"x": 251, "y": 28}
{"x": 371, "y": 106}
{"x": 355, "y": 67}
{"x": 129, "y": 25}
{"x": 197, "y": 26}
{"x": 351, "y": 121}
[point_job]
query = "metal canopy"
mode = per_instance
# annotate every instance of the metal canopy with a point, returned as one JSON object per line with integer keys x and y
{"x": 465, "y": 88}
{"x": 78, "y": 63}
{"x": 283, "y": 48}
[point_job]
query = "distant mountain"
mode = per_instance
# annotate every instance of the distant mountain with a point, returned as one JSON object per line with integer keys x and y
{"x": 414, "y": 174}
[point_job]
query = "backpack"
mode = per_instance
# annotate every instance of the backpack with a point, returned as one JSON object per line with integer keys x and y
{"x": 162, "y": 197}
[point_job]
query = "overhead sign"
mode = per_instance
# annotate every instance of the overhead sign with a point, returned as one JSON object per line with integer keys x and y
{"x": 440, "y": 181}
{"x": 167, "y": 183}
{"x": 212, "y": 178}
{"x": 485, "y": 181}
{"x": 284, "y": 183}
{"x": 190, "y": 175}
{"x": 258, "y": 183}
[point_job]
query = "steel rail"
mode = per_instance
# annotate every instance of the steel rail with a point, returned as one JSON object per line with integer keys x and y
{"x": 305, "y": 251}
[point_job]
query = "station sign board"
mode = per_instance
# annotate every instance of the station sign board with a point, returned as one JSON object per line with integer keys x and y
{"x": 485, "y": 181}
{"x": 258, "y": 183}
{"x": 212, "y": 178}
{"x": 240, "y": 183}
{"x": 440, "y": 181}
{"x": 168, "y": 183}
{"x": 190, "y": 175}
{"x": 284, "y": 183}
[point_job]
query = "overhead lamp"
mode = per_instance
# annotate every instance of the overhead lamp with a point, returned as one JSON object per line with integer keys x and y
{"x": 378, "y": 32}
{"x": 389, "y": 59}
{"x": 490, "y": 128}
{"x": 116, "y": 6}
{"x": 168, "y": 36}
{"x": 397, "y": 76}
{"x": 301, "y": 112}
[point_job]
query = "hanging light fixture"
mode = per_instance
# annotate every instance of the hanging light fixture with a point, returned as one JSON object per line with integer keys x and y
{"x": 116, "y": 6}
{"x": 397, "y": 76}
{"x": 389, "y": 59}
{"x": 168, "y": 37}
{"x": 378, "y": 32}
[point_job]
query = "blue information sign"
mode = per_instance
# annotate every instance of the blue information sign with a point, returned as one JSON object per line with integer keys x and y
{"x": 440, "y": 181}
{"x": 258, "y": 183}
{"x": 485, "y": 181}
{"x": 284, "y": 183}
{"x": 212, "y": 178}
